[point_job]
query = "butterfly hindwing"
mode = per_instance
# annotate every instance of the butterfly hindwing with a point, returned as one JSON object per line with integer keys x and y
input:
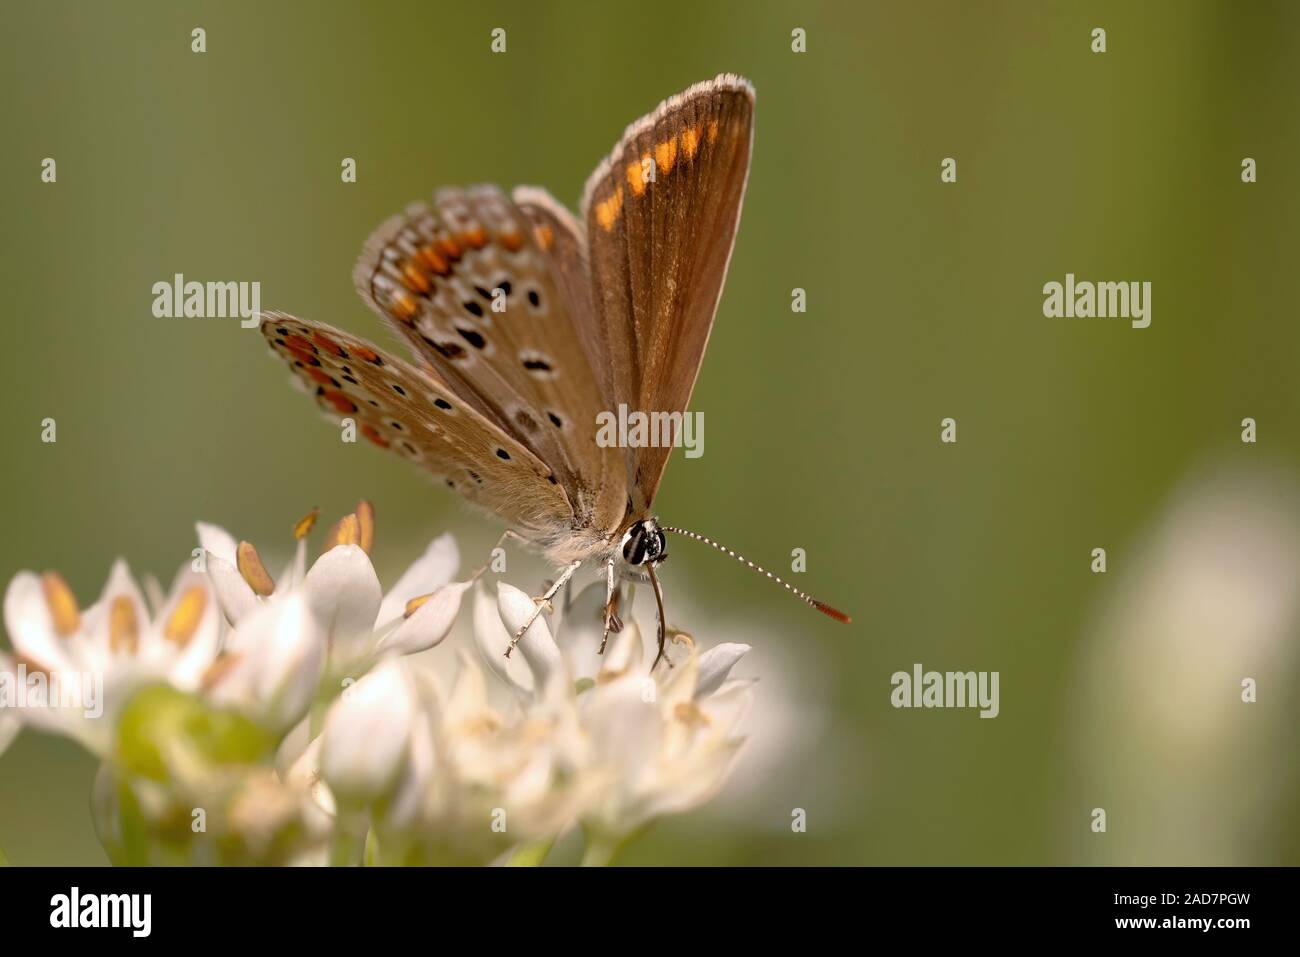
{"x": 661, "y": 214}
{"x": 411, "y": 412}
{"x": 467, "y": 283}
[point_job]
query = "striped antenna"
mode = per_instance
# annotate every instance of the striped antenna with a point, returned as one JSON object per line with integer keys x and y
{"x": 803, "y": 596}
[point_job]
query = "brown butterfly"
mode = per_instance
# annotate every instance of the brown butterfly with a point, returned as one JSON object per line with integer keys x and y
{"x": 526, "y": 324}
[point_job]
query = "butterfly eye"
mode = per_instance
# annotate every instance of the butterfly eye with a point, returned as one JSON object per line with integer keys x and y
{"x": 658, "y": 547}
{"x": 634, "y": 544}
{"x": 643, "y": 543}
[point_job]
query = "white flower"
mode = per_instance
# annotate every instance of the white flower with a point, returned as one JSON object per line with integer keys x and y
{"x": 342, "y": 590}
{"x": 272, "y": 664}
{"x": 73, "y": 670}
{"x": 367, "y": 733}
{"x": 1201, "y": 615}
{"x": 660, "y": 742}
{"x": 444, "y": 776}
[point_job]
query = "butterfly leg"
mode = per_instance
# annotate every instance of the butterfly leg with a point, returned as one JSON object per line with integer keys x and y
{"x": 542, "y": 603}
{"x": 611, "y": 604}
{"x": 507, "y": 534}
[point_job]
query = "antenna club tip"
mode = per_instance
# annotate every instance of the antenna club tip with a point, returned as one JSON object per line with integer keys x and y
{"x": 835, "y": 613}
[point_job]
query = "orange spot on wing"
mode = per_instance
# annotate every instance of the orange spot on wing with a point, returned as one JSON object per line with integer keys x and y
{"x": 607, "y": 210}
{"x": 299, "y": 344}
{"x": 545, "y": 236}
{"x": 666, "y": 155}
{"x": 476, "y": 238}
{"x": 413, "y": 279}
{"x": 512, "y": 241}
{"x": 341, "y": 402}
{"x": 713, "y": 131}
{"x": 365, "y": 354}
{"x": 370, "y": 432}
{"x": 691, "y": 141}
{"x": 636, "y": 174}
{"x": 434, "y": 260}
{"x": 450, "y": 248}
{"x": 404, "y": 308}
{"x": 320, "y": 377}
{"x": 326, "y": 343}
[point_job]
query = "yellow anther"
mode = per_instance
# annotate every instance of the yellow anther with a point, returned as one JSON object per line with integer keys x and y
{"x": 254, "y": 572}
{"x": 61, "y": 603}
{"x": 187, "y": 614}
{"x": 302, "y": 528}
{"x": 346, "y": 532}
{"x": 365, "y": 514}
{"x": 689, "y": 713}
{"x": 123, "y": 626}
{"x": 415, "y": 604}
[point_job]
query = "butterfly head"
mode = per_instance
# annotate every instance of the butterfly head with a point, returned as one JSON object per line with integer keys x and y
{"x": 643, "y": 543}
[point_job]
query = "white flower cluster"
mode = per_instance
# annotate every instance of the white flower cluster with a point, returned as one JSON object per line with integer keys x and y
{"x": 246, "y": 719}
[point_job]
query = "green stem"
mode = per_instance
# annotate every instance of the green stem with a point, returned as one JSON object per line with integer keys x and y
{"x": 599, "y": 853}
{"x": 531, "y": 855}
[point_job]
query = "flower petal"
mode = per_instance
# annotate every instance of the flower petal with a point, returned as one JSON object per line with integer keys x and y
{"x": 366, "y": 734}
{"x": 282, "y": 651}
{"x": 537, "y": 645}
{"x": 492, "y": 640}
{"x": 217, "y": 541}
{"x": 625, "y": 651}
{"x": 30, "y": 627}
{"x": 431, "y": 570}
{"x": 581, "y": 630}
{"x": 344, "y": 594}
{"x": 625, "y": 725}
{"x": 191, "y": 653}
{"x": 234, "y": 595}
{"x": 122, "y": 602}
{"x": 430, "y": 624}
{"x": 716, "y": 665}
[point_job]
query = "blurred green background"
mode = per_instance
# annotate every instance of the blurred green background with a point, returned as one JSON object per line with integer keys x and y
{"x": 924, "y": 301}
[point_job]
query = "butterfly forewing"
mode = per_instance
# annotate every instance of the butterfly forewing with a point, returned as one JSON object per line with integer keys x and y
{"x": 661, "y": 215}
{"x": 416, "y": 415}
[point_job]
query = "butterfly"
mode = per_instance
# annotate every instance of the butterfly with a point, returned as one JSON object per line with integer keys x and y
{"x": 525, "y": 323}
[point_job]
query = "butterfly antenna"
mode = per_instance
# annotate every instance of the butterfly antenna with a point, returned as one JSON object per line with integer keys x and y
{"x": 803, "y": 596}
